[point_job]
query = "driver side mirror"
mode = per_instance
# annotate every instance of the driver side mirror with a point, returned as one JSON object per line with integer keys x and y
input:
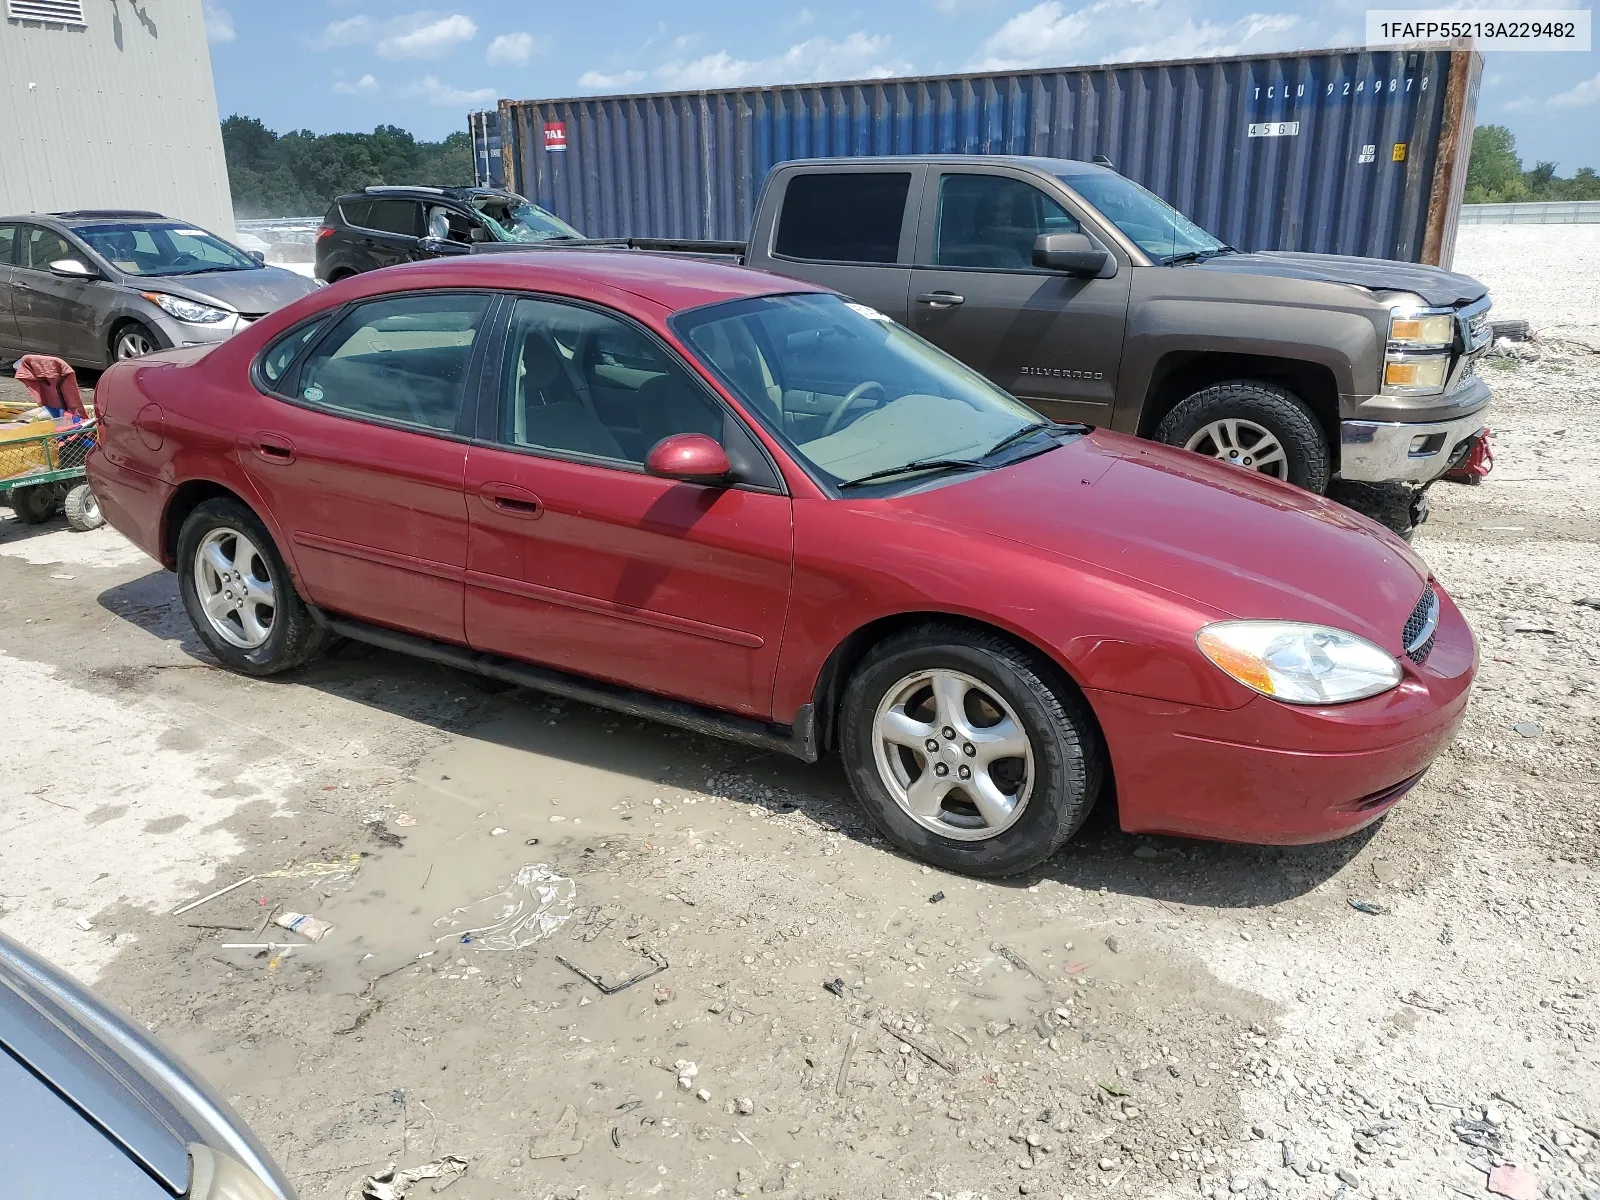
{"x": 259, "y": 255}
{"x": 689, "y": 458}
{"x": 72, "y": 268}
{"x": 1072, "y": 253}
{"x": 441, "y": 246}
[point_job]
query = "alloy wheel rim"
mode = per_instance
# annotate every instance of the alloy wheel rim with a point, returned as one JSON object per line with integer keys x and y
{"x": 1242, "y": 443}
{"x": 133, "y": 345}
{"x": 953, "y": 755}
{"x": 235, "y": 587}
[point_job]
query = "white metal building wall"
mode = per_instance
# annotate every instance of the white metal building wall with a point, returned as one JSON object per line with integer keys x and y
{"x": 119, "y": 112}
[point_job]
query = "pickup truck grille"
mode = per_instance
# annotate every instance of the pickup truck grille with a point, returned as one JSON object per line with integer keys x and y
{"x": 1421, "y": 626}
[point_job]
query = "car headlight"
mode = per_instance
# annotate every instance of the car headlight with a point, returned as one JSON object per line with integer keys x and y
{"x": 1299, "y": 663}
{"x": 217, "y": 1176}
{"x": 187, "y": 310}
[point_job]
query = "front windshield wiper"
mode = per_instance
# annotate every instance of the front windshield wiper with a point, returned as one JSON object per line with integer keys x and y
{"x": 206, "y": 271}
{"x": 1189, "y": 256}
{"x": 923, "y": 464}
{"x": 1018, "y": 435}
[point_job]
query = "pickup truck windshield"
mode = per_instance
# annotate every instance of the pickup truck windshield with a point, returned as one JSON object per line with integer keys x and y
{"x": 1160, "y": 230}
{"x": 851, "y": 392}
{"x": 516, "y": 220}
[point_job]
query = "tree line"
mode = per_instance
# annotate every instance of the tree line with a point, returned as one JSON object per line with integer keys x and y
{"x": 298, "y": 174}
{"x": 1495, "y": 174}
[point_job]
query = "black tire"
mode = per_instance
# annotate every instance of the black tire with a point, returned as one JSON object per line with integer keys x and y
{"x": 295, "y": 635}
{"x": 35, "y": 505}
{"x": 1276, "y": 410}
{"x": 1401, "y": 507}
{"x": 82, "y": 509}
{"x": 132, "y": 339}
{"x": 1064, "y": 737}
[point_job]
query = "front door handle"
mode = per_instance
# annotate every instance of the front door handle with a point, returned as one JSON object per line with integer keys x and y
{"x": 941, "y": 299}
{"x": 511, "y": 500}
{"x": 274, "y": 448}
{"x": 18, "y": 285}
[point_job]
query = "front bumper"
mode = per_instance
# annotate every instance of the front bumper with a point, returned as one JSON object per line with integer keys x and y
{"x": 1412, "y": 451}
{"x": 182, "y": 333}
{"x": 1279, "y": 774}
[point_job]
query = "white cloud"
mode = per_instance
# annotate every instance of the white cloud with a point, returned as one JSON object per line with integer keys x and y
{"x": 219, "y": 24}
{"x": 1587, "y": 92}
{"x": 1520, "y": 104}
{"x": 857, "y": 56}
{"x": 352, "y": 31}
{"x": 600, "y": 81}
{"x": 353, "y": 87}
{"x": 442, "y": 95}
{"x": 424, "y": 35}
{"x": 1050, "y": 34}
{"x": 514, "y": 49}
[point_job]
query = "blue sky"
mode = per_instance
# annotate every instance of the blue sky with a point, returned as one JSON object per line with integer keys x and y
{"x": 331, "y": 65}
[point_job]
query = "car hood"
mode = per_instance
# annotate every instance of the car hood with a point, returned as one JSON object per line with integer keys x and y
{"x": 1229, "y": 542}
{"x": 255, "y": 292}
{"x": 1434, "y": 284}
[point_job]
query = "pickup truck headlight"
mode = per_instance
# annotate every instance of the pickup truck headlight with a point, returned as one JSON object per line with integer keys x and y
{"x": 1299, "y": 663}
{"x": 1419, "y": 374}
{"x": 1422, "y": 331}
{"x": 1416, "y": 359}
{"x": 191, "y": 311}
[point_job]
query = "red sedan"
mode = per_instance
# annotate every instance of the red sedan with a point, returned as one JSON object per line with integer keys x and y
{"x": 753, "y": 508}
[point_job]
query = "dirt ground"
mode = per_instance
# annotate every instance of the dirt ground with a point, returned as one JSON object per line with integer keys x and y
{"x": 1144, "y": 1017}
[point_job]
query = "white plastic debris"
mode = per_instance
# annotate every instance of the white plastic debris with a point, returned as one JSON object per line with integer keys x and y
{"x": 535, "y": 904}
{"x": 311, "y": 928}
{"x": 390, "y": 1184}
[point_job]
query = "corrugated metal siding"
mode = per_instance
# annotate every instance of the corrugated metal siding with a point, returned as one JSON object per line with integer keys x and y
{"x": 691, "y": 164}
{"x": 120, "y": 113}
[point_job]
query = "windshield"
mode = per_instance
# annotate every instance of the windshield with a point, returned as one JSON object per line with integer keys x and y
{"x": 851, "y": 392}
{"x": 1160, "y": 230}
{"x": 513, "y": 219}
{"x": 141, "y": 248}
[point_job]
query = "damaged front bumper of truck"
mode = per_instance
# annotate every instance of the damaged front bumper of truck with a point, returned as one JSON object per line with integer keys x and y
{"x": 1412, "y": 451}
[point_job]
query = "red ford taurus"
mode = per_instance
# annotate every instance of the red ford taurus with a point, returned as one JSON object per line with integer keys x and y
{"x": 756, "y": 509}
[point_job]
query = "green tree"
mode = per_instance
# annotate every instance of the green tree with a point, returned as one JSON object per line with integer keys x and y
{"x": 1494, "y": 173}
{"x": 297, "y": 174}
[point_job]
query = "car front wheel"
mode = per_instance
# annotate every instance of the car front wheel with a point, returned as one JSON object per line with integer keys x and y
{"x": 965, "y": 754}
{"x": 238, "y": 594}
{"x": 133, "y": 340}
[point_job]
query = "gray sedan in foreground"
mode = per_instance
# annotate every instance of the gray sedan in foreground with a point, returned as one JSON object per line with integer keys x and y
{"x": 91, "y": 1106}
{"x": 99, "y": 285}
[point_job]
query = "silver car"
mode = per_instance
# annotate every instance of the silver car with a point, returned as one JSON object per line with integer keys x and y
{"x": 96, "y": 286}
{"x": 90, "y": 1106}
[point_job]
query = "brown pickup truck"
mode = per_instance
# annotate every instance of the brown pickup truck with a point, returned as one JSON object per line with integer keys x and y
{"x": 1087, "y": 296}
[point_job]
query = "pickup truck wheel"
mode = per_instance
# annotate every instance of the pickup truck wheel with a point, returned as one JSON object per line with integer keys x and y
{"x": 1399, "y": 506}
{"x": 964, "y": 754}
{"x": 1255, "y": 426}
{"x": 238, "y": 594}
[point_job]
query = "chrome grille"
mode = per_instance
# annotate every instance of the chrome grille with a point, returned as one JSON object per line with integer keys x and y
{"x": 1421, "y": 625}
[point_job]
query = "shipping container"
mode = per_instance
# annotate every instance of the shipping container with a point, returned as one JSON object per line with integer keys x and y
{"x": 1338, "y": 151}
{"x": 488, "y": 168}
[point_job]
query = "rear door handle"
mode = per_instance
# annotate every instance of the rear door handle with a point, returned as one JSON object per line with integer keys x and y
{"x": 19, "y": 286}
{"x": 274, "y": 448}
{"x": 511, "y": 500}
{"x": 941, "y": 299}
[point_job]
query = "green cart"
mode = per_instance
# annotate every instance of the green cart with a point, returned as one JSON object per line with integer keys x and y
{"x": 42, "y": 472}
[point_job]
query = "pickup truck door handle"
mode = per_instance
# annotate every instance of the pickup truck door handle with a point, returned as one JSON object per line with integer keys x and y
{"x": 274, "y": 448}
{"x": 941, "y": 299}
{"x": 511, "y": 500}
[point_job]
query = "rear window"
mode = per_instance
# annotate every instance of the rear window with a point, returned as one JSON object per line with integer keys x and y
{"x": 848, "y": 216}
{"x": 355, "y": 211}
{"x": 396, "y": 216}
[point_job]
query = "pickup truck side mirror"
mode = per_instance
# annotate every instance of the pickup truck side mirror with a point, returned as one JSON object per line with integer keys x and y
{"x": 1072, "y": 253}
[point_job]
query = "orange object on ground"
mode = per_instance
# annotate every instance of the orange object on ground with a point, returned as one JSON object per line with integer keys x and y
{"x": 52, "y": 382}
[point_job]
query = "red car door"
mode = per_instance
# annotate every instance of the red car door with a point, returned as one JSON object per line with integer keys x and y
{"x": 360, "y": 462}
{"x": 580, "y": 561}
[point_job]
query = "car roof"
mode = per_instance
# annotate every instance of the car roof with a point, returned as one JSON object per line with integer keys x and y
{"x": 1051, "y": 166}
{"x": 668, "y": 281}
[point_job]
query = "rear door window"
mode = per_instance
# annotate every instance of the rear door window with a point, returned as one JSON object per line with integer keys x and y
{"x": 848, "y": 216}
{"x": 396, "y": 216}
{"x": 403, "y": 360}
{"x": 7, "y": 236}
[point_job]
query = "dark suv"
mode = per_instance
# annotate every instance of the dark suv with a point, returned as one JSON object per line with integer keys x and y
{"x": 386, "y": 225}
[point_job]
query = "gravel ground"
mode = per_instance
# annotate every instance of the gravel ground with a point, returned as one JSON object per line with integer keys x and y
{"x": 1144, "y": 1017}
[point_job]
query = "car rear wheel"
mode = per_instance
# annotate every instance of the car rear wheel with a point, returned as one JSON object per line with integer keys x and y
{"x": 965, "y": 754}
{"x": 1255, "y": 426}
{"x": 133, "y": 340}
{"x": 82, "y": 509}
{"x": 238, "y": 594}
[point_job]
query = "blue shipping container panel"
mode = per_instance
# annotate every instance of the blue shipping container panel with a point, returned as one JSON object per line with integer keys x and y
{"x": 1344, "y": 152}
